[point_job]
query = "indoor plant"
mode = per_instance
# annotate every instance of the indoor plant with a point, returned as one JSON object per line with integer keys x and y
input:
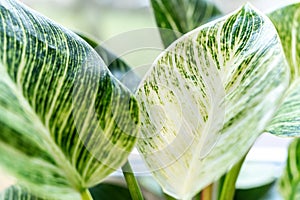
{"x": 31, "y": 49}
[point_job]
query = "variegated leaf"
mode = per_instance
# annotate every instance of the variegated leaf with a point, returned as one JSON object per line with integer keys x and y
{"x": 116, "y": 65}
{"x": 208, "y": 97}
{"x": 102, "y": 191}
{"x": 287, "y": 119}
{"x": 289, "y": 183}
{"x": 65, "y": 121}
{"x": 176, "y": 17}
{"x": 287, "y": 22}
{"x": 286, "y": 122}
{"x": 17, "y": 192}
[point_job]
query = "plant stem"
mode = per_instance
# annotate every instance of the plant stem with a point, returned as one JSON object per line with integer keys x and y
{"x": 206, "y": 193}
{"x": 86, "y": 195}
{"x": 132, "y": 183}
{"x": 227, "y": 188}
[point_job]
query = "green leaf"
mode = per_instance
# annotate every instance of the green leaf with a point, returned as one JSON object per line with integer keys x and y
{"x": 290, "y": 181}
{"x": 208, "y": 97}
{"x": 103, "y": 191}
{"x": 287, "y": 119}
{"x": 107, "y": 191}
{"x": 286, "y": 20}
{"x": 176, "y": 17}
{"x": 17, "y": 192}
{"x": 66, "y": 122}
{"x": 263, "y": 192}
{"x": 286, "y": 122}
{"x": 116, "y": 65}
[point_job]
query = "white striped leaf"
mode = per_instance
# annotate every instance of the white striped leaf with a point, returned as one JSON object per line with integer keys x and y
{"x": 17, "y": 192}
{"x": 102, "y": 191}
{"x": 287, "y": 119}
{"x": 65, "y": 121}
{"x": 176, "y": 17}
{"x": 286, "y": 20}
{"x": 208, "y": 97}
{"x": 289, "y": 184}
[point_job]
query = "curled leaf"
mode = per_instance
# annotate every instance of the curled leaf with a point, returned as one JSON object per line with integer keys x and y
{"x": 287, "y": 119}
{"x": 176, "y": 17}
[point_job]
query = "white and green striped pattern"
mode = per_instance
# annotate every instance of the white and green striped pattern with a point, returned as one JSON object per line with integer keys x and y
{"x": 17, "y": 193}
{"x": 287, "y": 119}
{"x": 286, "y": 122}
{"x": 289, "y": 183}
{"x": 208, "y": 97}
{"x": 176, "y": 17}
{"x": 287, "y": 22}
{"x": 65, "y": 121}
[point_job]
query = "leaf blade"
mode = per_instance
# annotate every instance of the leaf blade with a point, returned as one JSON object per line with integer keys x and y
{"x": 177, "y": 17}
{"x": 289, "y": 182}
{"x": 286, "y": 121}
{"x": 286, "y": 20}
{"x": 203, "y": 94}
{"x": 62, "y": 112}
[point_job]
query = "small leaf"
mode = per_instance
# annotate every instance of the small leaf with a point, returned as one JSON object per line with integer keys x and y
{"x": 176, "y": 17}
{"x": 290, "y": 181}
{"x": 66, "y": 123}
{"x": 264, "y": 192}
{"x": 287, "y": 119}
{"x": 208, "y": 97}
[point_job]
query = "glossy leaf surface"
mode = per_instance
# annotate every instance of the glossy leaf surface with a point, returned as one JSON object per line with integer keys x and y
{"x": 66, "y": 122}
{"x": 208, "y": 97}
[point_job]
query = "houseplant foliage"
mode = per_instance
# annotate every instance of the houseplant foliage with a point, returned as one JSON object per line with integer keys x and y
{"x": 289, "y": 182}
{"x": 181, "y": 16}
{"x": 203, "y": 102}
{"x": 103, "y": 191}
{"x": 203, "y": 95}
{"x": 66, "y": 122}
{"x": 287, "y": 121}
{"x": 118, "y": 67}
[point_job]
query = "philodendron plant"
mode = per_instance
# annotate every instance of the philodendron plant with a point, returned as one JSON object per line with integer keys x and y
{"x": 66, "y": 122}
